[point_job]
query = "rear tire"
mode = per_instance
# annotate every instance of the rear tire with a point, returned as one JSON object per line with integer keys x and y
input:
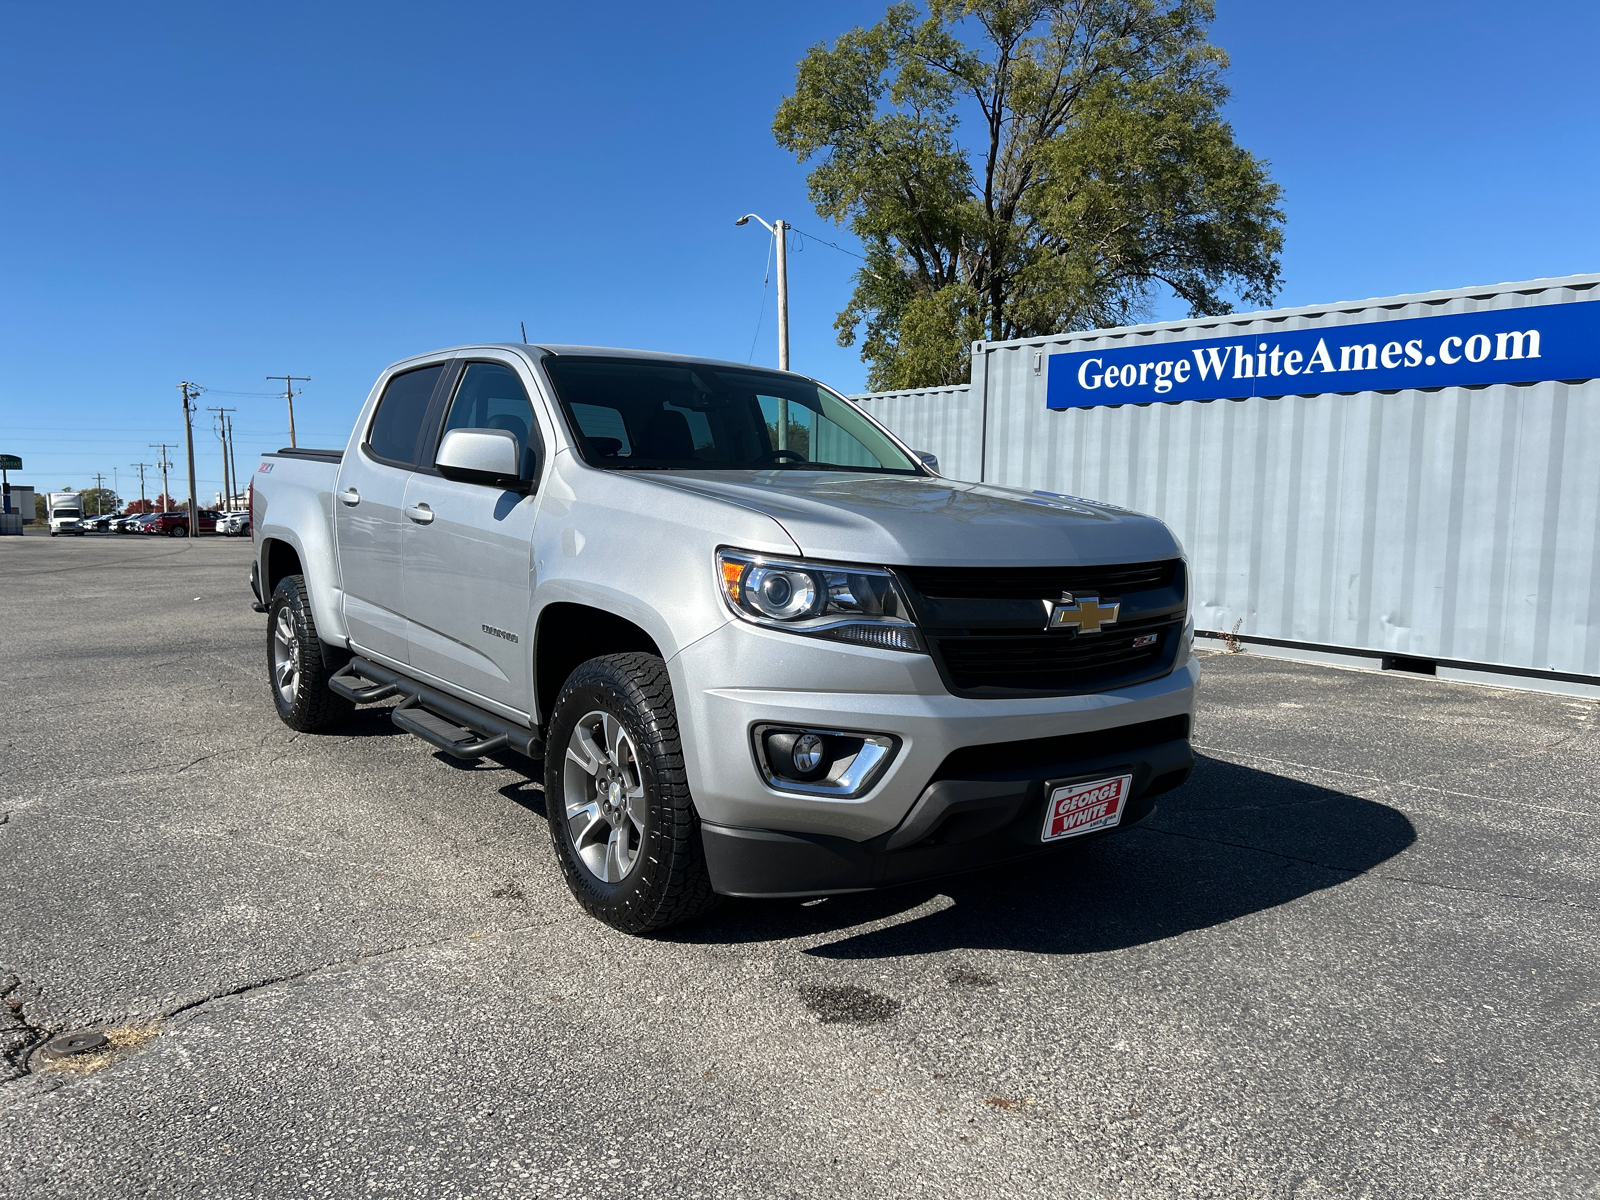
{"x": 177, "y": 531}
{"x": 617, "y": 797}
{"x": 299, "y": 662}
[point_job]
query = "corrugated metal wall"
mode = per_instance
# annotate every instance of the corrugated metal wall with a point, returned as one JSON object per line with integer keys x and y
{"x": 1459, "y": 523}
{"x": 944, "y": 421}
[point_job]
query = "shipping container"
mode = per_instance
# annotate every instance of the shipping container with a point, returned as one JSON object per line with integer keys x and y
{"x": 1422, "y": 490}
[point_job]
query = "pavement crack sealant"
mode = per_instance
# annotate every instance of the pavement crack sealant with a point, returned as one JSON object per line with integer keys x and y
{"x": 22, "y": 1036}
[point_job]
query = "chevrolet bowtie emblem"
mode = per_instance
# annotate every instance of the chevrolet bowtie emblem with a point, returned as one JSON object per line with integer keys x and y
{"x": 1084, "y": 613}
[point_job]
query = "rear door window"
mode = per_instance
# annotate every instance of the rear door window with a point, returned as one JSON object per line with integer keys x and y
{"x": 397, "y": 426}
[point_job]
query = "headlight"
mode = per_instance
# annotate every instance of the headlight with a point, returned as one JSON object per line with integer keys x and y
{"x": 846, "y": 604}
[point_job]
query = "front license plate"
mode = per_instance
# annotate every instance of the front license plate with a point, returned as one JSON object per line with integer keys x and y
{"x": 1079, "y": 808}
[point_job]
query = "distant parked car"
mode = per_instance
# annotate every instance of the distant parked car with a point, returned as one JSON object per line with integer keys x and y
{"x": 176, "y": 524}
{"x": 235, "y": 523}
{"x": 98, "y": 524}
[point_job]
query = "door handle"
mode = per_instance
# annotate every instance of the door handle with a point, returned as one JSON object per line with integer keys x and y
{"x": 420, "y": 513}
{"x": 350, "y": 496}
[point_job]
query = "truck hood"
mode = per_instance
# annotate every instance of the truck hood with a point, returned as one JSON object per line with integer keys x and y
{"x": 899, "y": 520}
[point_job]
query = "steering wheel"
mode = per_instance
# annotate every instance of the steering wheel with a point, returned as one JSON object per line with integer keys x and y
{"x": 775, "y": 455}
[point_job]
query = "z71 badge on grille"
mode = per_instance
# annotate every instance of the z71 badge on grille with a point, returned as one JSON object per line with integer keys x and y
{"x": 1084, "y": 613}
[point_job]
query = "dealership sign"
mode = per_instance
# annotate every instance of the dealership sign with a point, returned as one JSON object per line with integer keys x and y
{"x": 1506, "y": 345}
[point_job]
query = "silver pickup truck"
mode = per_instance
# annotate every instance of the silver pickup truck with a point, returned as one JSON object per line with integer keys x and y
{"x": 761, "y": 647}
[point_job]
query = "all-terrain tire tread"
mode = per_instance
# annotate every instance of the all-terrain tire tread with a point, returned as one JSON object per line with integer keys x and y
{"x": 679, "y": 885}
{"x": 317, "y": 706}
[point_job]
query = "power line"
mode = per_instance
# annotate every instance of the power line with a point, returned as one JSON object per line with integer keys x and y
{"x": 766, "y": 278}
{"x": 835, "y": 245}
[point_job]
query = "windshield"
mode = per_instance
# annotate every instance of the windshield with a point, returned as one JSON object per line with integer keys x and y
{"x": 635, "y": 414}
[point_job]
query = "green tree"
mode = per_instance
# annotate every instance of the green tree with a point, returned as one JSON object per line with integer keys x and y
{"x": 98, "y": 500}
{"x": 1101, "y": 170}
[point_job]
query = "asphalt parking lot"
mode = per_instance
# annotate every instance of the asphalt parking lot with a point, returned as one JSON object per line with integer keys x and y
{"x": 1356, "y": 956}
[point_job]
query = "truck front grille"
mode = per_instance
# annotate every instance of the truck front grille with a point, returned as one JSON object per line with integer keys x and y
{"x": 1053, "y": 663}
{"x": 985, "y": 627}
{"x": 1036, "y": 583}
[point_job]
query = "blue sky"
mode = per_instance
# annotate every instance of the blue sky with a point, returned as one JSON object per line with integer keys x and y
{"x": 220, "y": 192}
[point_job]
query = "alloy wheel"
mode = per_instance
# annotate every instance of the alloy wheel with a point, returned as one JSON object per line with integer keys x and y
{"x": 285, "y": 656}
{"x": 604, "y": 796}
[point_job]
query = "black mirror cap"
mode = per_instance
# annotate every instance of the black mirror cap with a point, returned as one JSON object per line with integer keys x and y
{"x": 510, "y": 483}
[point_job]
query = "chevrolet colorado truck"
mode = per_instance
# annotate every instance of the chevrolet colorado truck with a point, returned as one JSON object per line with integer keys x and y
{"x": 761, "y": 647}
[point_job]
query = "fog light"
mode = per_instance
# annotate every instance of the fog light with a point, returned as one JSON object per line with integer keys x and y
{"x": 807, "y": 754}
{"x": 797, "y": 754}
{"x": 822, "y": 762}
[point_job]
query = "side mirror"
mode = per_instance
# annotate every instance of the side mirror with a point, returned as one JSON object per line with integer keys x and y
{"x": 488, "y": 456}
{"x": 931, "y": 461}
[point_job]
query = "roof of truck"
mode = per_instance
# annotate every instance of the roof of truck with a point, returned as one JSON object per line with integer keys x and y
{"x": 603, "y": 352}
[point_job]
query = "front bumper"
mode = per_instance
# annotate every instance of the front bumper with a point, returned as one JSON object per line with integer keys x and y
{"x": 802, "y": 681}
{"x": 980, "y": 819}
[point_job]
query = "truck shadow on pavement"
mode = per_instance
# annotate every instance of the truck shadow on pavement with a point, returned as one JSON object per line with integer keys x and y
{"x": 1232, "y": 841}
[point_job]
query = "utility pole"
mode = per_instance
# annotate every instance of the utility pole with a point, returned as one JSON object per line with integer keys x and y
{"x": 222, "y": 432}
{"x": 783, "y": 298}
{"x": 141, "y": 467}
{"x": 289, "y": 394}
{"x": 778, "y": 229}
{"x": 165, "y": 464}
{"x": 98, "y": 479}
{"x": 233, "y": 466}
{"x": 188, "y": 434}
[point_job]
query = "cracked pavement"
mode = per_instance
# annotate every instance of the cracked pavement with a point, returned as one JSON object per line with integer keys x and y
{"x": 1355, "y": 956}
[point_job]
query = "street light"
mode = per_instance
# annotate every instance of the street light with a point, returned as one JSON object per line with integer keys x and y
{"x": 776, "y": 229}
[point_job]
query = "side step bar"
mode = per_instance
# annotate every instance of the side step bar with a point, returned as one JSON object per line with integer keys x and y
{"x": 461, "y": 730}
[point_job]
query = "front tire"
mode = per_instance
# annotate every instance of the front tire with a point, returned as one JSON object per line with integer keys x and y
{"x": 621, "y": 818}
{"x": 299, "y": 663}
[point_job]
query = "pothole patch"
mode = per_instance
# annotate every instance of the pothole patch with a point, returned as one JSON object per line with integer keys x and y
{"x": 848, "y": 1004}
{"x": 90, "y": 1050}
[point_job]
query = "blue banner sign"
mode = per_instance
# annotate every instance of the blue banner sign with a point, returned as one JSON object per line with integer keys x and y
{"x": 1507, "y": 345}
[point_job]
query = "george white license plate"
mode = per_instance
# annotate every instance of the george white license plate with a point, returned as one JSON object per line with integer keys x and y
{"x": 1079, "y": 808}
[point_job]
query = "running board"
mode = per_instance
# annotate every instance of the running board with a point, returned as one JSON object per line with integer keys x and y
{"x": 460, "y": 729}
{"x": 348, "y": 682}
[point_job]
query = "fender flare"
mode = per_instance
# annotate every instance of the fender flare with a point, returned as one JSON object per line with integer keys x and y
{"x": 318, "y": 563}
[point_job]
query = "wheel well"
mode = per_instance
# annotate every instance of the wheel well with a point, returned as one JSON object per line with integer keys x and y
{"x": 570, "y": 634}
{"x": 280, "y": 560}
